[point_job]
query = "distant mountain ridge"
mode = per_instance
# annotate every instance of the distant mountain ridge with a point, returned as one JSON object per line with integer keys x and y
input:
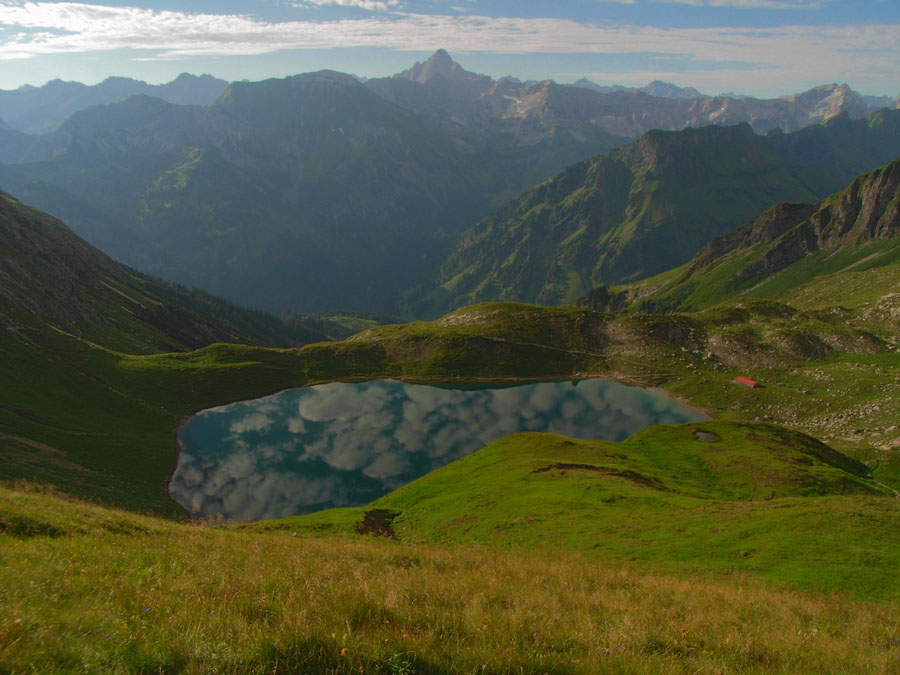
{"x": 297, "y": 194}
{"x": 319, "y": 191}
{"x": 457, "y": 99}
{"x": 42, "y": 109}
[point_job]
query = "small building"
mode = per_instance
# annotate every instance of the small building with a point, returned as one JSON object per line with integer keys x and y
{"x": 746, "y": 381}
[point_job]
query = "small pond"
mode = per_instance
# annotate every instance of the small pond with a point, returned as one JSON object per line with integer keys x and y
{"x": 340, "y": 444}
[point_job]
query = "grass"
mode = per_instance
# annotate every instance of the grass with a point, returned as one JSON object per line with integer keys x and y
{"x": 157, "y": 596}
{"x": 749, "y": 555}
{"x": 758, "y": 500}
{"x": 120, "y": 448}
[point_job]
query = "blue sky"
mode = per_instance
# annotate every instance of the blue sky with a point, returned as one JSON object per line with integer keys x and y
{"x": 757, "y": 47}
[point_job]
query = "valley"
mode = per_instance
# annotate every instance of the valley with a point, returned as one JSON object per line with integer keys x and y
{"x": 320, "y": 191}
{"x": 525, "y": 239}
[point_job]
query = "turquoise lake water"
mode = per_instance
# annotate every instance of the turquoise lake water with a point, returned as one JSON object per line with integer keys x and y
{"x": 340, "y": 444}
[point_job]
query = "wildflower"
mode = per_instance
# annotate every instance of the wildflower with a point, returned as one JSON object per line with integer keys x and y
{"x": 345, "y": 651}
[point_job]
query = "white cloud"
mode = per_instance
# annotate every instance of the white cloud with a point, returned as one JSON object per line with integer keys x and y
{"x": 369, "y": 5}
{"x": 52, "y": 28}
{"x": 256, "y": 422}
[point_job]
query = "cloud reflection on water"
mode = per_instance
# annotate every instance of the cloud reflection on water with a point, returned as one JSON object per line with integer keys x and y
{"x": 341, "y": 444}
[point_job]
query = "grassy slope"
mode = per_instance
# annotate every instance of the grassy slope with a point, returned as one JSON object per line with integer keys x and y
{"x": 89, "y": 588}
{"x": 280, "y": 602}
{"x": 760, "y": 499}
{"x": 642, "y": 208}
{"x": 126, "y": 436}
{"x": 854, "y": 230}
{"x": 49, "y": 275}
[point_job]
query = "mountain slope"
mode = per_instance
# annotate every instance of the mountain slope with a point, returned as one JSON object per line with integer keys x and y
{"x": 650, "y": 206}
{"x": 789, "y": 245}
{"x": 49, "y": 276}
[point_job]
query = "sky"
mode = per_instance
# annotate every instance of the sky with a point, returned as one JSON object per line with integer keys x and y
{"x": 763, "y": 48}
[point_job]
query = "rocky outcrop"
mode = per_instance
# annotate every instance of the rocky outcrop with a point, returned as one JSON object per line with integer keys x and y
{"x": 868, "y": 209}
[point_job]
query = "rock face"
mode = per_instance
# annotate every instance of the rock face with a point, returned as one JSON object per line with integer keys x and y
{"x": 441, "y": 64}
{"x": 868, "y": 209}
{"x": 784, "y": 248}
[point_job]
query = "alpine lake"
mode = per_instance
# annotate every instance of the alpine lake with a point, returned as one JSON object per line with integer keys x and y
{"x": 343, "y": 444}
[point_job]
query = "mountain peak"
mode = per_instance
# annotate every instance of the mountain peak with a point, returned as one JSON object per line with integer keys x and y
{"x": 440, "y": 63}
{"x": 662, "y": 89}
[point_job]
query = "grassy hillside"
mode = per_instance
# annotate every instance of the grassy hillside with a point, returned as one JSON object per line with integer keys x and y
{"x": 852, "y": 231}
{"x": 649, "y": 206}
{"x": 48, "y": 275}
{"x": 659, "y": 554}
{"x": 713, "y": 497}
{"x": 89, "y": 588}
{"x": 109, "y": 418}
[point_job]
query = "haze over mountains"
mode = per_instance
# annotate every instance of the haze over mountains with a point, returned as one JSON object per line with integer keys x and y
{"x": 50, "y": 276}
{"x": 37, "y": 110}
{"x": 319, "y": 191}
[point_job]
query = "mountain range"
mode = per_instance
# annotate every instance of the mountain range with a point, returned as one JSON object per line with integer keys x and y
{"x": 38, "y": 110}
{"x": 649, "y": 206}
{"x": 321, "y": 191}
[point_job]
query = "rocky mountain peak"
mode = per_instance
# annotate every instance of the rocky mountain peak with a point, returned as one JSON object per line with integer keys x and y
{"x": 440, "y": 64}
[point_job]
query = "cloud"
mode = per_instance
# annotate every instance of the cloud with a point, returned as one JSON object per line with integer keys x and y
{"x": 718, "y": 58}
{"x": 46, "y": 28}
{"x": 256, "y": 422}
{"x": 368, "y": 5}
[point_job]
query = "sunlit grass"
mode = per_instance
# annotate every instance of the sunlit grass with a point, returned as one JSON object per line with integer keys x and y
{"x": 158, "y": 596}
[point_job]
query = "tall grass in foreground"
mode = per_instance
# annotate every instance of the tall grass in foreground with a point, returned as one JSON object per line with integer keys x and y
{"x": 152, "y": 596}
